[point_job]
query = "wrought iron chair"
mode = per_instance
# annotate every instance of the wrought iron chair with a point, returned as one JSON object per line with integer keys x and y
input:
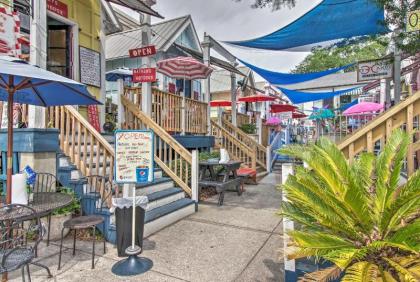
{"x": 45, "y": 183}
{"x": 20, "y": 233}
{"x": 92, "y": 207}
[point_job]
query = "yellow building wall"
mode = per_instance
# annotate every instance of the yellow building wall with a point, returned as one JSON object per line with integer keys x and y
{"x": 87, "y": 14}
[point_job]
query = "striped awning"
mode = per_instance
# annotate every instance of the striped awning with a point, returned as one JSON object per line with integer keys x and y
{"x": 184, "y": 68}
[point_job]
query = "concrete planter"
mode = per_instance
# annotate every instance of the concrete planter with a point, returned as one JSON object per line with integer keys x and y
{"x": 57, "y": 222}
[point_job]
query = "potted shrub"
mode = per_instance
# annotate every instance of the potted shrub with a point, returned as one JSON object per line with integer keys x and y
{"x": 358, "y": 216}
{"x": 59, "y": 216}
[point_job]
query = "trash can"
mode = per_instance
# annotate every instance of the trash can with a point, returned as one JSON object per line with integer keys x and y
{"x": 123, "y": 221}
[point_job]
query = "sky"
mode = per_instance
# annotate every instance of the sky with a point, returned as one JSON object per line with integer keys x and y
{"x": 232, "y": 20}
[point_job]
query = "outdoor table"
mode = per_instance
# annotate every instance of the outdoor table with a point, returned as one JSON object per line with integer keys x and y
{"x": 227, "y": 171}
{"x": 43, "y": 203}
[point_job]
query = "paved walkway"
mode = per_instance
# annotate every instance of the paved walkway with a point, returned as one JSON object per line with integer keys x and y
{"x": 239, "y": 241}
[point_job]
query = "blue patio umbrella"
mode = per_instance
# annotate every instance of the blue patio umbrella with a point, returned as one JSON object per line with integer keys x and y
{"x": 120, "y": 73}
{"x": 23, "y": 83}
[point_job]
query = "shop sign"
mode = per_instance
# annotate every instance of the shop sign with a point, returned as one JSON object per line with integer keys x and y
{"x": 134, "y": 156}
{"x": 90, "y": 67}
{"x": 413, "y": 21}
{"x": 144, "y": 75}
{"x": 285, "y": 115}
{"x": 372, "y": 70}
{"x": 93, "y": 117}
{"x": 142, "y": 52}
{"x": 58, "y": 8}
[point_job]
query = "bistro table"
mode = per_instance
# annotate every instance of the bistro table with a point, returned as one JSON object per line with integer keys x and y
{"x": 222, "y": 176}
{"x": 43, "y": 203}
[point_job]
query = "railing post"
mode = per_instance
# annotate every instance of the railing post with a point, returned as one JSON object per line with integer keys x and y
{"x": 254, "y": 158}
{"x": 268, "y": 158}
{"x": 120, "y": 114}
{"x": 194, "y": 177}
{"x": 183, "y": 115}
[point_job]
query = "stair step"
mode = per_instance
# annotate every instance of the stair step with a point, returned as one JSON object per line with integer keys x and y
{"x": 159, "y": 184}
{"x": 164, "y": 197}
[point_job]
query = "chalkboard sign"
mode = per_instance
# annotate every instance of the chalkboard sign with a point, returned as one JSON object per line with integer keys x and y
{"x": 90, "y": 67}
{"x": 134, "y": 156}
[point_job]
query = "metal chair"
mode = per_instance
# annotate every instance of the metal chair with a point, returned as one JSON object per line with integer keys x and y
{"x": 20, "y": 233}
{"x": 44, "y": 183}
{"x": 92, "y": 205}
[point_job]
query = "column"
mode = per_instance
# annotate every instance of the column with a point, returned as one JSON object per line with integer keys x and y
{"x": 233, "y": 95}
{"x": 121, "y": 114}
{"x": 102, "y": 95}
{"x": 206, "y": 59}
{"x": 146, "y": 89}
{"x": 38, "y": 56}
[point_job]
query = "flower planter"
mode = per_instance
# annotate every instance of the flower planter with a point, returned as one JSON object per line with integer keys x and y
{"x": 57, "y": 222}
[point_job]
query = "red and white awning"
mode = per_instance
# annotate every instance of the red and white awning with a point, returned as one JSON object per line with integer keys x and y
{"x": 184, "y": 68}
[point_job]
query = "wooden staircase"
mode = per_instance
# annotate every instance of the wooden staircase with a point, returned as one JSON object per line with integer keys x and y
{"x": 374, "y": 134}
{"x": 86, "y": 152}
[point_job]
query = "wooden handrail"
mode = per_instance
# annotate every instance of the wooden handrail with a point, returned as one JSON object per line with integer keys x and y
{"x": 236, "y": 149}
{"x": 87, "y": 149}
{"x": 379, "y": 130}
{"x": 172, "y": 157}
{"x": 248, "y": 141}
{"x": 167, "y": 110}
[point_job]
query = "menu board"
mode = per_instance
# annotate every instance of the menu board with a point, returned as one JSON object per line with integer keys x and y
{"x": 134, "y": 156}
{"x": 90, "y": 67}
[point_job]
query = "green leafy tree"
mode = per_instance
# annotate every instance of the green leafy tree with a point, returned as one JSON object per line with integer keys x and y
{"x": 357, "y": 216}
{"x": 334, "y": 56}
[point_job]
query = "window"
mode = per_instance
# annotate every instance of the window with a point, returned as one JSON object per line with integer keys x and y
{"x": 59, "y": 48}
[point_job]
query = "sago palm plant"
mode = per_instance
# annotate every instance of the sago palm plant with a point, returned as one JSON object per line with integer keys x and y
{"x": 357, "y": 215}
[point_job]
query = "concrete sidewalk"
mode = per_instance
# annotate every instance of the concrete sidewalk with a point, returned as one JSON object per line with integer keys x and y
{"x": 240, "y": 241}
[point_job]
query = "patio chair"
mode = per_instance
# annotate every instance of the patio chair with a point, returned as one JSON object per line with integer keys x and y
{"x": 92, "y": 208}
{"x": 44, "y": 183}
{"x": 20, "y": 233}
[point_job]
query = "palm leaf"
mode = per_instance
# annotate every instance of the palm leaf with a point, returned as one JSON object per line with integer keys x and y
{"x": 361, "y": 272}
{"x": 323, "y": 275}
{"x": 405, "y": 274}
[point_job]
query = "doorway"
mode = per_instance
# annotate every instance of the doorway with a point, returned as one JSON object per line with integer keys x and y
{"x": 59, "y": 48}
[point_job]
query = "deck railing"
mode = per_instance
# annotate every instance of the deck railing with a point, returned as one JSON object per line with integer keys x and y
{"x": 172, "y": 157}
{"x": 237, "y": 150}
{"x": 167, "y": 110}
{"x": 404, "y": 115}
{"x": 86, "y": 148}
{"x": 260, "y": 150}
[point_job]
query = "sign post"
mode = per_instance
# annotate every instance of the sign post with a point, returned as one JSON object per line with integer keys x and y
{"x": 133, "y": 164}
{"x": 413, "y": 21}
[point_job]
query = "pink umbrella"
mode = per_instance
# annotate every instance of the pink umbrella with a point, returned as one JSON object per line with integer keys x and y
{"x": 184, "y": 68}
{"x": 273, "y": 121}
{"x": 363, "y": 108}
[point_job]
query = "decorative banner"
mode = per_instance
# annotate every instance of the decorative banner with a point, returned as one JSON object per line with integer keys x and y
{"x": 142, "y": 52}
{"x": 144, "y": 75}
{"x": 372, "y": 70}
{"x": 9, "y": 33}
{"x": 90, "y": 67}
{"x": 58, "y": 8}
{"x": 93, "y": 117}
{"x": 285, "y": 115}
{"x": 413, "y": 21}
{"x": 134, "y": 156}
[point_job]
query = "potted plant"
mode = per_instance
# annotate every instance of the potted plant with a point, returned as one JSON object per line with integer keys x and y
{"x": 59, "y": 216}
{"x": 358, "y": 216}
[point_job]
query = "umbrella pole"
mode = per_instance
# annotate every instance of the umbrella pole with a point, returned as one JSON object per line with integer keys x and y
{"x": 9, "y": 144}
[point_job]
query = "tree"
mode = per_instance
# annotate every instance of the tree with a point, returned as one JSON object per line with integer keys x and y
{"x": 395, "y": 16}
{"x": 357, "y": 215}
{"x": 334, "y": 56}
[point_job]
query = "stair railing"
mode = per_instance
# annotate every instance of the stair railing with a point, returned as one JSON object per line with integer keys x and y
{"x": 87, "y": 148}
{"x": 237, "y": 150}
{"x": 172, "y": 157}
{"x": 401, "y": 115}
{"x": 261, "y": 151}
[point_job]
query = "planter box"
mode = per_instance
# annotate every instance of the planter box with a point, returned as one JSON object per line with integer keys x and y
{"x": 31, "y": 140}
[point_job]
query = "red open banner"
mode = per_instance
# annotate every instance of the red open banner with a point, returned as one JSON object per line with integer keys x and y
{"x": 144, "y": 75}
{"x": 93, "y": 117}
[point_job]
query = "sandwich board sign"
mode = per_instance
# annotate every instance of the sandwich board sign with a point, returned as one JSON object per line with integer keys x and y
{"x": 134, "y": 156}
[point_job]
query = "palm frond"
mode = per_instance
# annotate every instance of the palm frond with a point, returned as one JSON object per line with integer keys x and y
{"x": 361, "y": 272}
{"x": 408, "y": 235}
{"x": 404, "y": 273}
{"x": 323, "y": 275}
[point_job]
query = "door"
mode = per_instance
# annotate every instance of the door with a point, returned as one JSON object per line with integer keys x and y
{"x": 59, "y": 50}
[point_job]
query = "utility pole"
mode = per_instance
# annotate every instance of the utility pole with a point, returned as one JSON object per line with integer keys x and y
{"x": 146, "y": 37}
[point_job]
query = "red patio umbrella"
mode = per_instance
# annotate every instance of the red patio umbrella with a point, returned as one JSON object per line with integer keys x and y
{"x": 220, "y": 103}
{"x": 184, "y": 68}
{"x": 281, "y": 108}
{"x": 257, "y": 98}
{"x": 297, "y": 114}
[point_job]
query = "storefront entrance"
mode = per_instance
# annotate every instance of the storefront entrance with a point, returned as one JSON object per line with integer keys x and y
{"x": 59, "y": 46}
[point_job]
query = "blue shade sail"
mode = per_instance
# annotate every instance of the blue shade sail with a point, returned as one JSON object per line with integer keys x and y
{"x": 330, "y": 20}
{"x": 348, "y": 105}
{"x": 298, "y": 97}
{"x": 278, "y": 78}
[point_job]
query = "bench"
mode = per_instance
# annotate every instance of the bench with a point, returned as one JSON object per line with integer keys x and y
{"x": 248, "y": 174}
{"x": 232, "y": 184}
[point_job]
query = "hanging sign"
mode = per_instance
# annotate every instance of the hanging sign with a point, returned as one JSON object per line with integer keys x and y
{"x": 142, "y": 51}
{"x": 413, "y": 21}
{"x": 58, "y": 8}
{"x": 144, "y": 75}
{"x": 376, "y": 69}
{"x": 285, "y": 115}
{"x": 134, "y": 156}
{"x": 93, "y": 117}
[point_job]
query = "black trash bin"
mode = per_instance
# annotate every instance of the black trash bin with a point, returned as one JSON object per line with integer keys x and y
{"x": 123, "y": 218}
